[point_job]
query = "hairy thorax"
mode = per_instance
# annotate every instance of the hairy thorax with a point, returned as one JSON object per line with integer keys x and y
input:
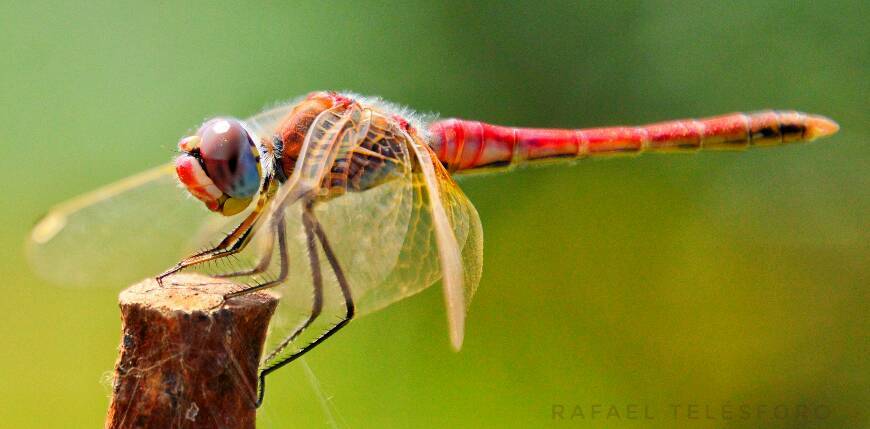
{"x": 370, "y": 150}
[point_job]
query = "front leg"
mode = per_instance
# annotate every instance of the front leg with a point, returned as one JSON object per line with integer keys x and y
{"x": 263, "y": 264}
{"x": 235, "y": 241}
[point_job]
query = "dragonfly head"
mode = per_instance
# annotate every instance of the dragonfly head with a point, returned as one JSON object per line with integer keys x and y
{"x": 220, "y": 165}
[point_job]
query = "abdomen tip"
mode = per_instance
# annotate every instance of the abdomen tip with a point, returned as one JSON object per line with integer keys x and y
{"x": 820, "y": 126}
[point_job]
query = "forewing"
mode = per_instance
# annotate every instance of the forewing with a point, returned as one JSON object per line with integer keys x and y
{"x": 117, "y": 234}
{"x": 130, "y": 229}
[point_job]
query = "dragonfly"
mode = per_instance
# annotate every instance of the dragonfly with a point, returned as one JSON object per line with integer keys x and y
{"x": 342, "y": 199}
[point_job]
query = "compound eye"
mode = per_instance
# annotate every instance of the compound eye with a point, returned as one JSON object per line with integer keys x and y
{"x": 229, "y": 157}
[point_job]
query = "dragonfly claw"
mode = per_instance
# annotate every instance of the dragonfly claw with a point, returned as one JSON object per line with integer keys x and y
{"x": 166, "y": 273}
{"x": 219, "y": 305}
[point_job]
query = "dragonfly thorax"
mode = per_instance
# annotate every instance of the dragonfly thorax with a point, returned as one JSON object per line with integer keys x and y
{"x": 292, "y": 129}
{"x": 372, "y": 161}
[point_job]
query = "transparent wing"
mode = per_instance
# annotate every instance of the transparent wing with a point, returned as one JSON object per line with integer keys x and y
{"x": 378, "y": 221}
{"x": 418, "y": 264}
{"x": 264, "y": 123}
{"x": 130, "y": 229}
{"x": 454, "y": 221}
{"x": 118, "y": 233}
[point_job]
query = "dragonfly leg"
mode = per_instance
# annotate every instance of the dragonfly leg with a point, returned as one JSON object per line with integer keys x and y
{"x": 317, "y": 285}
{"x": 284, "y": 271}
{"x": 262, "y": 265}
{"x": 234, "y": 242}
{"x": 312, "y": 226}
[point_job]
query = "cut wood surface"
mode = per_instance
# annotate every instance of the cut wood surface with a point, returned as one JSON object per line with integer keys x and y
{"x": 187, "y": 359}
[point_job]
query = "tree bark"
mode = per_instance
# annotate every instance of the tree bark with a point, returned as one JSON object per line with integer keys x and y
{"x": 187, "y": 359}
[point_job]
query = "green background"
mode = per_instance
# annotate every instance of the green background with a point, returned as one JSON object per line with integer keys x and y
{"x": 714, "y": 279}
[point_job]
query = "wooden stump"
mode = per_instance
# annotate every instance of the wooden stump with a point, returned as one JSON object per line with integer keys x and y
{"x": 186, "y": 361}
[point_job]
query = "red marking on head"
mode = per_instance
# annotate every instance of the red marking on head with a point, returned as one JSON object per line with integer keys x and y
{"x": 191, "y": 175}
{"x": 184, "y": 168}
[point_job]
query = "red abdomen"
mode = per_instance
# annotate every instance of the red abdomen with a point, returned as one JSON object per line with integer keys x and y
{"x": 464, "y": 145}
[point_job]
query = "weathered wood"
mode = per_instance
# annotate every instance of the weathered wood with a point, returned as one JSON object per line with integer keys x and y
{"x": 186, "y": 361}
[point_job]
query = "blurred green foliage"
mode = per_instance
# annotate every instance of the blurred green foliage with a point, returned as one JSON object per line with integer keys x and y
{"x": 706, "y": 279}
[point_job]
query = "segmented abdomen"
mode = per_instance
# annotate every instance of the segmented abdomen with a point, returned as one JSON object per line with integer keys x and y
{"x": 464, "y": 145}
